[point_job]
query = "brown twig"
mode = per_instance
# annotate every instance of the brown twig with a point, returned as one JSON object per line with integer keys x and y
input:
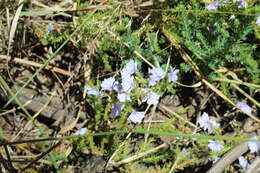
{"x": 35, "y": 64}
{"x": 39, "y": 157}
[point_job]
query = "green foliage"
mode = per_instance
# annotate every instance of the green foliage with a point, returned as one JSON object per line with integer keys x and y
{"x": 215, "y": 39}
{"x": 212, "y": 39}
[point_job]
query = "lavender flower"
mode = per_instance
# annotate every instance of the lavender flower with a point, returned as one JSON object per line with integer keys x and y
{"x": 129, "y": 69}
{"x": 117, "y": 109}
{"x": 123, "y": 97}
{"x": 81, "y": 131}
{"x": 145, "y": 90}
{"x": 156, "y": 75}
{"x": 50, "y": 28}
{"x": 151, "y": 98}
{"x": 215, "y": 146}
{"x": 92, "y": 91}
{"x": 241, "y": 3}
{"x": 108, "y": 84}
{"x": 128, "y": 83}
{"x": 136, "y": 117}
{"x": 213, "y": 6}
{"x": 117, "y": 87}
{"x": 172, "y": 76}
{"x": 244, "y": 107}
{"x": 253, "y": 146}
{"x": 243, "y": 162}
{"x": 206, "y": 123}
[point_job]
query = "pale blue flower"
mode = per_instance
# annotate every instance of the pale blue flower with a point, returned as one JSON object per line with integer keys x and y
{"x": 213, "y": 6}
{"x": 123, "y": 97}
{"x": 50, "y": 28}
{"x": 152, "y": 98}
{"x": 253, "y": 146}
{"x": 81, "y": 131}
{"x": 129, "y": 69}
{"x": 215, "y": 146}
{"x": 244, "y": 107}
{"x": 117, "y": 87}
{"x": 206, "y": 123}
{"x": 68, "y": 1}
{"x": 243, "y": 162}
{"x": 92, "y": 91}
{"x": 172, "y": 76}
{"x": 117, "y": 109}
{"x": 258, "y": 20}
{"x": 108, "y": 84}
{"x": 128, "y": 83}
{"x": 241, "y": 3}
{"x": 136, "y": 117}
{"x": 156, "y": 75}
{"x": 145, "y": 90}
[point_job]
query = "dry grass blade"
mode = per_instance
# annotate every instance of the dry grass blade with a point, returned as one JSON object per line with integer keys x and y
{"x": 70, "y": 125}
{"x": 138, "y": 156}
{"x": 14, "y": 25}
{"x": 165, "y": 108}
{"x": 35, "y": 64}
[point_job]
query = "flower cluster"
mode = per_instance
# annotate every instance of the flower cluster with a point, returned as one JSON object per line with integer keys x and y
{"x": 214, "y": 6}
{"x": 124, "y": 88}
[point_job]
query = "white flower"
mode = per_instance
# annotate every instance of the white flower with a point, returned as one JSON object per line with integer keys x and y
{"x": 136, "y": 117}
{"x": 258, "y": 20}
{"x": 232, "y": 17}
